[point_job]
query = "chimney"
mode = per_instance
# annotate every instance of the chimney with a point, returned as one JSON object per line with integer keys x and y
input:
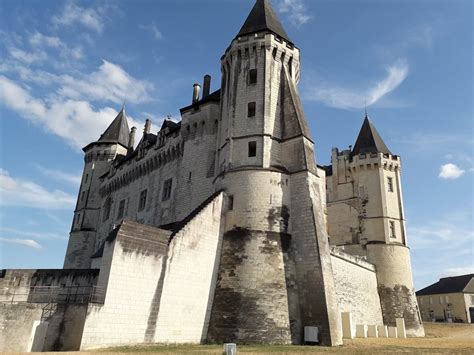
{"x": 147, "y": 128}
{"x": 206, "y": 87}
{"x": 131, "y": 138}
{"x": 196, "y": 89}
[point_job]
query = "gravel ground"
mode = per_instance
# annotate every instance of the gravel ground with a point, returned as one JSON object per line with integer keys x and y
{"x": 440, "y": 339}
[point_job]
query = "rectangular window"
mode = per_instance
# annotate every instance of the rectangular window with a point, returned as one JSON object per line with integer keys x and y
{"x": 252, "y": 76}
{"x": 390, "y": 184}
{"x": 362, "y": 193}
{"x": 230, "y": 202}
{"x": 431, "y": 300}
{"x": 252, "y": 149}
{"x": 167, "y": 189}
{"x": 421, "y": 300}
{"x": 78, "y": 218}
{"x": 87, "y": 178}
{"x": 142, "y": 201}
{"x": 83, "y": 194}
{"x": 392, "y": 229}
{"x": 446, "y": 298}
{"x": 121, "y": 209}
{"x": 107, "y": 207}
{"x": 440, "y": 299}
{"x": 251, "y": 107}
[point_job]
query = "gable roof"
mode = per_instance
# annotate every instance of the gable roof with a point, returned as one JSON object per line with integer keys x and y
{"x": 118, "y": 130}
{"x": 452, "y": 284}
{"x": 263, "y": 18}
{"x": 369, "y": 140}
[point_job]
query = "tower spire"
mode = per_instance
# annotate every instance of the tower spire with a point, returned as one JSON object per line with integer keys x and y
{"x": 369, "y": 140}
{"x": 262, "y": 18}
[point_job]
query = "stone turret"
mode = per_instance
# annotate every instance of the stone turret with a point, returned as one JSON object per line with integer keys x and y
{"x": 97, "y": 159}
{"x": 275, "y": 266}
{"x": 365, "y": 213}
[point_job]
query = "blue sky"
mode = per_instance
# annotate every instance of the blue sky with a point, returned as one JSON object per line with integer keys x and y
{"x": 67, "y": 67}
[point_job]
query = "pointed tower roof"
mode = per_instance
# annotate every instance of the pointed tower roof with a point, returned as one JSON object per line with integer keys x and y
{"x": 263, "y": 18}
{"x": 369, "y": 140}
{"x": 118, "y": 130}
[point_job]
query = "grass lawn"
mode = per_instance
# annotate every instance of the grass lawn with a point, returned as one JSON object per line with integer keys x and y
{"x": 440, "y": 339}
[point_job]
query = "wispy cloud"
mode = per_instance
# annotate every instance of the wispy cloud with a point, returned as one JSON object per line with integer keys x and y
{"x": 41, "y": 42}
{"x": 352, "y": 98}
{"x": 16, "y": 233}
{"x": 451, "y": 233}
{"x": 73, "y": 179}
{"x": 450, "y": 171}
{"x": 157, "y": 34}
{"x": 25, "y": 193}
{"x": 456, "y": 271}
{"x": 295, "y": 10}
{"x": 73, "y": 14}
{"x": 30, "y": 243}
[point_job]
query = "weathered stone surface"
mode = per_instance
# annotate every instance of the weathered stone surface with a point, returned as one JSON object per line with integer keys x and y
{"x": 251, "y": 298}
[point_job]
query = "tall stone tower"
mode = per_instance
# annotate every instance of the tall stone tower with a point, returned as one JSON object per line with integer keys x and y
{"x": 366, "y": 217}
{"x": 275, "y": 273}
{"x": 97, "y": 159}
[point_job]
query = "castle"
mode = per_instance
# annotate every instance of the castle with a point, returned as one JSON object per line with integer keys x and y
{"x": 222, "y": 227}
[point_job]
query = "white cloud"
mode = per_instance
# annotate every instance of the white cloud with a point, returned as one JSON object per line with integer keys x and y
{"x": 296, "y": 11}
{"x": 18, "y": 192}
{"x": 456, "y": 271}
{"x": 450, "y": 171}
{"x": 73, "y": 14}
{"x": 68, "y": 114}
{"x": 72, "y": 179}
{"x": 341, "y": 97}
{"x": 110, "y": 82}
{"x": 30, "y": 243}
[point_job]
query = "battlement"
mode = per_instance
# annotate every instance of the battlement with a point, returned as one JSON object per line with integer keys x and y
{"x": 374, "y": 160}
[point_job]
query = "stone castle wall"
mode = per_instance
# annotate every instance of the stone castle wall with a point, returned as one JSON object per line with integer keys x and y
{"x": 356, "y": 289}
{"x": 150, "y": 296}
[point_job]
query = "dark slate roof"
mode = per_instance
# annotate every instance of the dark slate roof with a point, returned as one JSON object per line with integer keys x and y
{"x": 118, "y": 130}
{"x": 369, "y": 140}
{"x": 172, "y": 126}
{"x": 214, "y": 97}
{"x": 263, "y": 18}
{"x": 452, "y": 284}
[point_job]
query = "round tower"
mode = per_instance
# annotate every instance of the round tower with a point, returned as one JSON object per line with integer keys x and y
{"x": 97, "y": 159}
{"x": 266, "y": 165}
{"x": 375, "y": 173}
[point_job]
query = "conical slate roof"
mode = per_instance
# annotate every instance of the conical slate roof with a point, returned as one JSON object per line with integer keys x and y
{"x": 263, "y": 18}
{"x": 118, "y": 130}
{"x": 369, "y": 140}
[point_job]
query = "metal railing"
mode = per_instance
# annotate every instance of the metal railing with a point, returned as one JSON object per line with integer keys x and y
{"x": 55, "y": 294}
